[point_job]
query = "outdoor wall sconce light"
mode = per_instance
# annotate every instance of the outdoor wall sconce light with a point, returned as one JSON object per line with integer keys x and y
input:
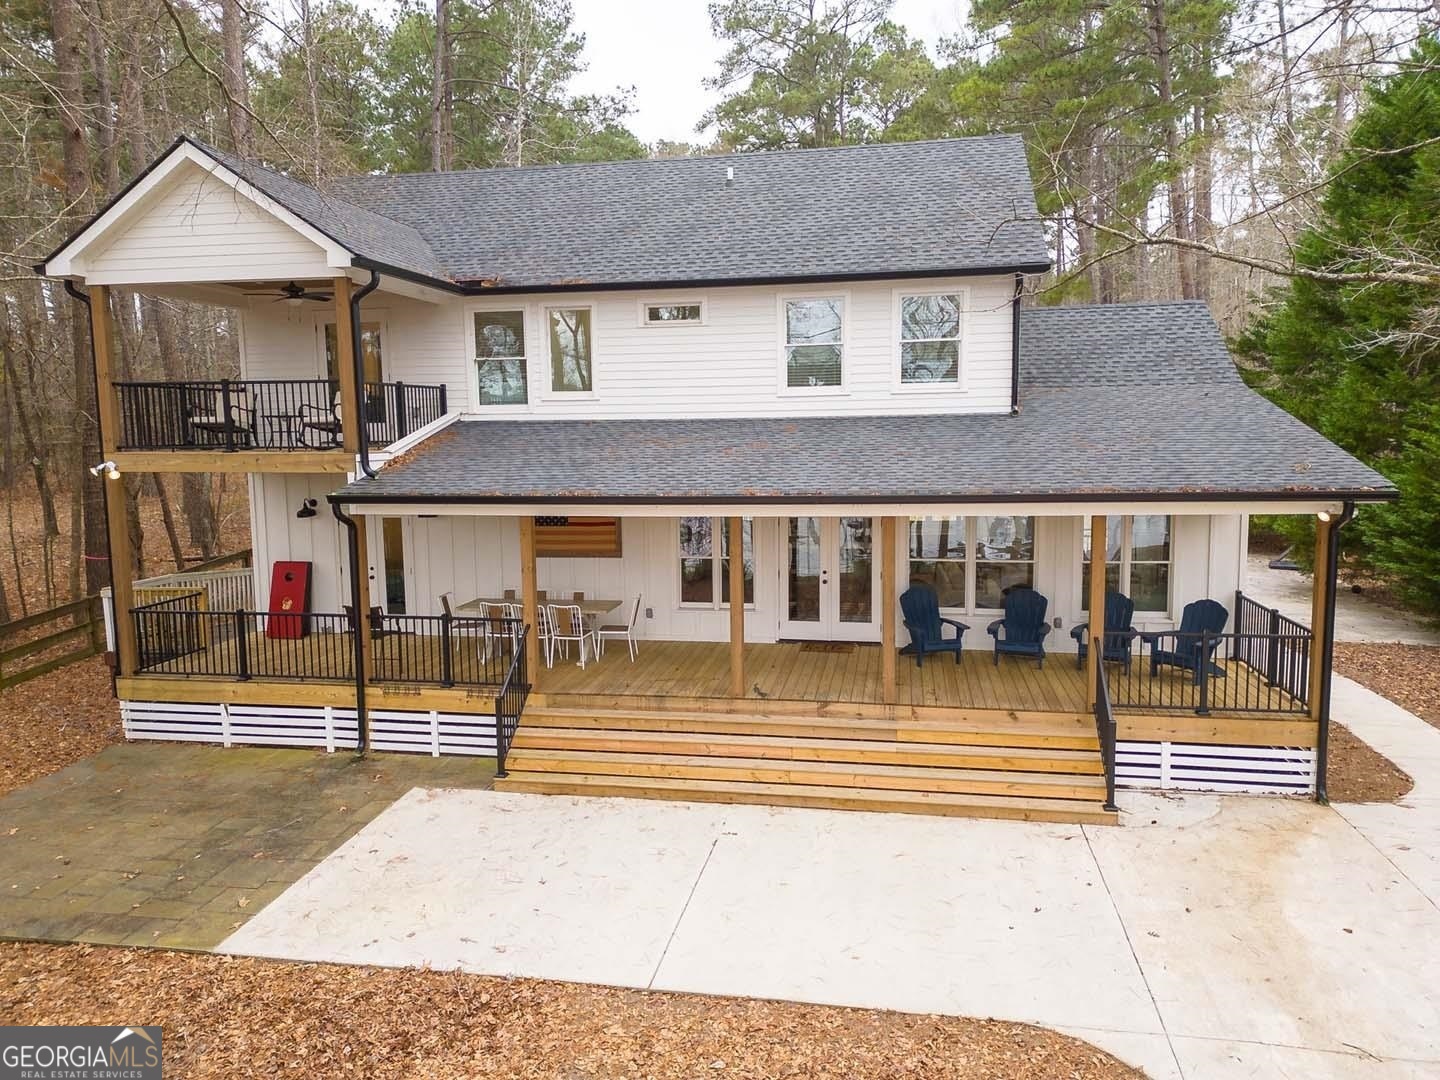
{"x": 307, "y": 509}
{"x": 109, "y": 468}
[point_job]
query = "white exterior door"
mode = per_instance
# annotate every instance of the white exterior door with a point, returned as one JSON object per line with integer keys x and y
{"x": 829, "y": 581}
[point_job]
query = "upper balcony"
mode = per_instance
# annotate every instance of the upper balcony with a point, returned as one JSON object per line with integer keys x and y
{"x": 286, "y": 425}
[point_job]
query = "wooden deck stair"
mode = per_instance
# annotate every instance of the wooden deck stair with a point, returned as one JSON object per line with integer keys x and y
{"x": 1030, "y": 767}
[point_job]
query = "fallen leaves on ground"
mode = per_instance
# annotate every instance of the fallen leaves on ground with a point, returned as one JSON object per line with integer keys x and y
{"x": 1359, "y": 773}
{"x": 55, "y": 720}
{"x": 1408, "y": 675}
{"x": 228, "y": 1016}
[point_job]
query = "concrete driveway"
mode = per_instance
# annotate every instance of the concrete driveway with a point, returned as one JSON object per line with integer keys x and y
{"x": 1358, "y": 617}
{"x": 1207, "y": 937}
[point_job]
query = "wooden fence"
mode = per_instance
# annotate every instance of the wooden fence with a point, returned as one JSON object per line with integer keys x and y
{"x": 47, "y": 640}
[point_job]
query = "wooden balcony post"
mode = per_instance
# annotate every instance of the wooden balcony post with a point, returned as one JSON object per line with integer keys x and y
{"x": 122, "y": 554}
{"x": 1319, "y": 598}
{"x": 1096, "y": 632}
{"x": 352, "y": 395}
{"x": 888, "y": 658}
{"x": 736, "y": 528}
{"x": 530, "y": 597}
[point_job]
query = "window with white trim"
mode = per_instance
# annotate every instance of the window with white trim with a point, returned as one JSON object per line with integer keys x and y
{"x": 1137, "y": 560}
{"x": 571, "y": 349}
{"x": 929, "y": 342}
{"x": 972, "y": 562}
{"x": 704, "y": 577}
{"x": 672, "y": 313}
{"x": 814, "y": 329}
{"x": 501, "y": 360}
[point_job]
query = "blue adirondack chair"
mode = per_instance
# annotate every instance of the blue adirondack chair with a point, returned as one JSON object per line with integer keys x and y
{"x": 1022, "y": 631}
{"x": 920, "y": 605}
{"x": 1192, "y": 651}
{"x": 1118, "y": 633}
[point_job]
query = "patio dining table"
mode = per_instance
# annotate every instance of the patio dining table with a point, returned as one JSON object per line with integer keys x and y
{"x": 591, "y": 609}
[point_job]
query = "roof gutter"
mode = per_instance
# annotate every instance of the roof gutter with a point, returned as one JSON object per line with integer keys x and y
{"x": 1327, "y": 659}
{"x": 751, "y": 498}
{"x": 1015, "y": 345}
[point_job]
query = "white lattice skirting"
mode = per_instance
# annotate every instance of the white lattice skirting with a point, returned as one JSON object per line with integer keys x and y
{"x": 326, "y": 727}
{"x": 1259, "y": 770}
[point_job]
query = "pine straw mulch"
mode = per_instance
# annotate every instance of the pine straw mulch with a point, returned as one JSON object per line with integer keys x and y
{"x": 1408, "y": 675}
{"x": 227, "y": 1016}
{"x": 55, "y": 720}
{"x": 1358, "y": 773}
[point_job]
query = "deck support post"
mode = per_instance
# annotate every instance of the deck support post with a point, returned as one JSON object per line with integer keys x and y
{"x": 352, "y": 395}
{"x": 736, "y": 543}
{"x": 530, "y": 597}
{"x": 888, "y": 659}
{"x": 122, "y": 554}
{"x": 1097, "y": 606}
{"x": 1319, "y": 597}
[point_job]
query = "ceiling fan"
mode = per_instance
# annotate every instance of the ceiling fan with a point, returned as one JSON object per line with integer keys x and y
{"x": 291, "y": 293}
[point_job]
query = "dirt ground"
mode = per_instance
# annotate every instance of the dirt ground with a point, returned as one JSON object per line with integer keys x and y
{"x": 55, "y": 720}
{"x": 1360, "y": 774}
{"x": 1408, "y": 675}
{"x": 22, "y": 554}
{"x": 326, "y": 1020}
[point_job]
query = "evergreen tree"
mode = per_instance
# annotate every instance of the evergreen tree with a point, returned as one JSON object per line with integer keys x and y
{"x": 1361, "y": 362}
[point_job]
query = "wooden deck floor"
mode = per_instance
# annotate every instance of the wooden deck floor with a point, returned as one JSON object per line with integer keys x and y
{"x": 795, "y": 671}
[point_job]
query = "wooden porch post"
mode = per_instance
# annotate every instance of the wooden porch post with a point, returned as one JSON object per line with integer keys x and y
{"x": 887, "y": 609}
{"x": 1097, "y": 604}
{"x": 1319, "y": 597}
{"x": 736, "y": 542}
{"x": 352, "y": 407}
{"x": 122, "y": 554}
{"x": 530, "y": 597}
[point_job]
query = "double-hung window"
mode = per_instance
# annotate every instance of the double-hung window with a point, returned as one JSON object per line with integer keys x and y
{"x": 814, "y": 341}
{"x": 572, "y": 348}
{"x": 501, "y": 360}
{"x": 972, "y": 562}
{"x": 705, "y": 562}
{"x": 1137, "y": 560}
{"x": 929, "y": 343}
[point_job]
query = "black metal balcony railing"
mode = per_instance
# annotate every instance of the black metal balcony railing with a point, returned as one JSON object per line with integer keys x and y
{"x": 266, "y": 414}
{"x": 1207, "y": 673}
{"x": 177, "y": 636}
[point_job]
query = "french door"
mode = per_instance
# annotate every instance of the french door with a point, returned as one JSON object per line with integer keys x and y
{"x": 830, "y": 583}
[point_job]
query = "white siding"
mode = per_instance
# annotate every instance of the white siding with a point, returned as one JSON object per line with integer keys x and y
{"x": 195, "y": 228}
{"x": 278, "y": 534}
{"x": 730, "y": 366}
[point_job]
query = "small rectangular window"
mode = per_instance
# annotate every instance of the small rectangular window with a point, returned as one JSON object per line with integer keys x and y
{"x": 814, "y": 342}
{"x": 571, "y": 350}
{"x": 674, "y": 314}
{"x": 930, "y": 338}
{"x": 500, "y": 357}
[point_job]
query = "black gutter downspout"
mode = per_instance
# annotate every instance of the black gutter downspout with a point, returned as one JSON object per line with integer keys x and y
{"x": 352, "y": 528}
{"x": 104, "y": 487}
{"x": 1327, "y": 661}
{"x": 1015, "y": 345}
{"x": 360, "y": 405}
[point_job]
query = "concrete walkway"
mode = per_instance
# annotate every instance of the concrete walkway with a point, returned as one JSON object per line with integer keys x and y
{"x": 1206, "y": 937}
{"x": 1357, "y": 616}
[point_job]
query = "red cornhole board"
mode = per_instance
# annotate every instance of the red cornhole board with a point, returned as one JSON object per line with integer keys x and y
{"x": 289, "y": 591}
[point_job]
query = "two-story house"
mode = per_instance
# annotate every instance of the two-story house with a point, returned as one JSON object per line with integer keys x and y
{"x": 505, "y": 431}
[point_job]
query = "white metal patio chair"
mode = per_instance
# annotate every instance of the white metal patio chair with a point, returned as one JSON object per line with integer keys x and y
{"x": 494, "y": 629}
{"x": 619, "y": 630}
{"x": 542, "y": 618}
{"x": 567, "y": 624}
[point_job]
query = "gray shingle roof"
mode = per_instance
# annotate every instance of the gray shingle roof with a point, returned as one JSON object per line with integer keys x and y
{"x": 901, "y": 208}
{"x": 361, "y": 231}
{"x": 1134, "y": 400}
